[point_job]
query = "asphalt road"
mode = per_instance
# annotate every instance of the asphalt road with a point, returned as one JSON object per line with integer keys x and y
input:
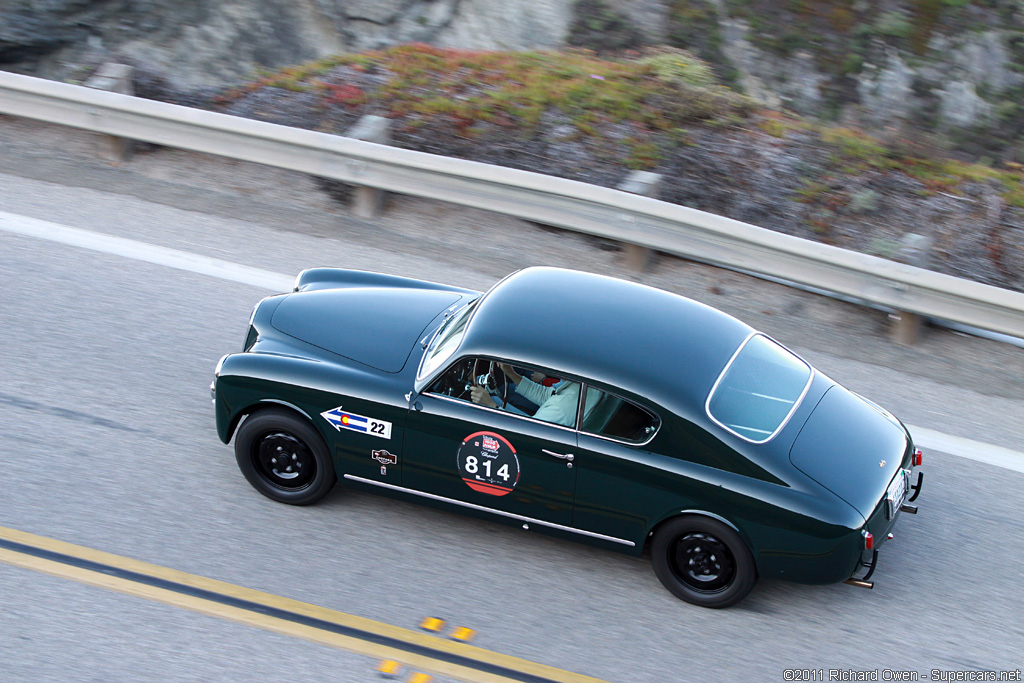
{"x": 109, "y": 443}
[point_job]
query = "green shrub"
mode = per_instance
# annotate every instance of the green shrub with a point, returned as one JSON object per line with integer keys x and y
{"x": 895, "y": 24}
{"x": 864, "y": 201}
{"x": 679, "y": 66}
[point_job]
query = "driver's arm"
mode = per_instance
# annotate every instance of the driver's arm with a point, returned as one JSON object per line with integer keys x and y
{"x": 510, "y": 372}
{"x": 481, "y": 396}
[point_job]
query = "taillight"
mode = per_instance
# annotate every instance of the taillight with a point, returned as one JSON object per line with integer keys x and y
{"x": 869, "y": 540}
{"x": 918, "y": 457}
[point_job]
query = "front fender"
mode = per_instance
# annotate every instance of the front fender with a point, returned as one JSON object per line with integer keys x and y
{"x": 247, "y": 381}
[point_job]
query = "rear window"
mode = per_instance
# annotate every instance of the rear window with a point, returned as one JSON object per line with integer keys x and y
{"x": 758, "y": 390}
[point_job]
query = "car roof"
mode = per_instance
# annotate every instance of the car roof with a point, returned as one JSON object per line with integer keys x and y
{"x": 643, "y": 340}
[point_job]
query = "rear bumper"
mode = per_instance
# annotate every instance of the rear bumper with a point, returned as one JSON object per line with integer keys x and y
{"x": 880, "y": 526}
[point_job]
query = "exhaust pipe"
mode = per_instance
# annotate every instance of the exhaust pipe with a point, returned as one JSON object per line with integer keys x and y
{"x": 860, "y": 583}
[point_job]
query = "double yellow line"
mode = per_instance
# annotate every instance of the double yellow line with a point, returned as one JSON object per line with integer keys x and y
{"x": 274, "y": 613}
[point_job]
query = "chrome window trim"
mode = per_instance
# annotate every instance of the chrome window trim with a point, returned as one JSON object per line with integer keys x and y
{"x": 579, "y": 418}
{"x": 789, "y": 415}
{"x": 502, "y": 513}
{"x": 635, "y": 444}
{"x": 577, "y": 427}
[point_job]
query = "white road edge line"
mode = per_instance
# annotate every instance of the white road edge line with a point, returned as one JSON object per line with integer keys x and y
{"x": 966, "y": 448}
{"x": 278, "y": 282}
{"x": 142, "y": 251}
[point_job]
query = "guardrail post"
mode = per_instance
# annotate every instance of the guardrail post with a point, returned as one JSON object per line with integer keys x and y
{"x": 113, "y": 78}
{"x": 368, "y": 202}
{"x": 915, "y": 250}
{"x": 646, "y": 184}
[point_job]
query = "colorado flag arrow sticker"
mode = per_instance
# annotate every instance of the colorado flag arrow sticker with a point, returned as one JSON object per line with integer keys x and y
{"x": 341, "y": 419}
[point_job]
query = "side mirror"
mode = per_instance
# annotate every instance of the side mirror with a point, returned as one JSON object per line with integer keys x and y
{"x": 413, "y": 403}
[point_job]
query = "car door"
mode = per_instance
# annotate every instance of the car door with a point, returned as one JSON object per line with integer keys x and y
{"x": 503, "y": 461}
{"x": 618, "y": 485}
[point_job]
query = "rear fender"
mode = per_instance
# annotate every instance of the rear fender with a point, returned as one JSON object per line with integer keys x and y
{"x": 698, "y": 513}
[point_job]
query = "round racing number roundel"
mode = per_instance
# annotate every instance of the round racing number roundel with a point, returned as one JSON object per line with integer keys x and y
{"x": 488, "y": 463}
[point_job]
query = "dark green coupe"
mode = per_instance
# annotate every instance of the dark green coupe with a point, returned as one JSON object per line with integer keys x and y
{"x": 577, "y": 405}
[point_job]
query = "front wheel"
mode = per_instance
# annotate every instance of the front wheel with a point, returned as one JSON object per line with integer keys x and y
{"x": 703, "y": 561}
{"x": 284, "y": 457}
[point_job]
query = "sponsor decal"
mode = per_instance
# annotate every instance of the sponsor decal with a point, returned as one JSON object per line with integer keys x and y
{"x": 384, "y": 458}
{"x": 341, "y": 419}
{"x": 488, "y": 463}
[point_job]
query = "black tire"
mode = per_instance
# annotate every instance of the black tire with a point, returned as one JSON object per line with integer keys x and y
{"x": 703, "y": 561}
{"x": 284, "y": 457}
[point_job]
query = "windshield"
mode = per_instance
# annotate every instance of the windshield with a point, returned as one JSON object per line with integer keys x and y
{"x": 445, "y": 341}
{"x": 758, "y": 390}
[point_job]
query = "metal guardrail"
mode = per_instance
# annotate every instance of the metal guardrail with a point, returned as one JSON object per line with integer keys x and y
{"x": 553, "y": 201}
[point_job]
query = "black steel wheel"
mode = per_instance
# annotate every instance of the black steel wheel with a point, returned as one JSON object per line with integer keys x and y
{"x": 703, "y": 561}
{"x": 284, "y": 457}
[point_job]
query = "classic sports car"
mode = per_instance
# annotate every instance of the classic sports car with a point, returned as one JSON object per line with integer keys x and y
{"x": 577, "y": 405}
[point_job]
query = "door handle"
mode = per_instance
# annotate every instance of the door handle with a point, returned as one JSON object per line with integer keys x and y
{"x": 561, "y": 456}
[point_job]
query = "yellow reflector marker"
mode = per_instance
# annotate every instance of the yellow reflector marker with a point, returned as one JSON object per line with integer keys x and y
{"x": 389, "y": 668}
{"x": 464, "y": 634}
{"x": 420, "y": 678}
{"x": 432, "y": 624}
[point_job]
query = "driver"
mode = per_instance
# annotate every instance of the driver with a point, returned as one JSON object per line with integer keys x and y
{"x": 557, "y": 402}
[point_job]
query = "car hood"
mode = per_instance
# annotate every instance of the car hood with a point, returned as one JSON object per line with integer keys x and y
{"x": 376, "y": 326}
{"x": 851, "y": 447}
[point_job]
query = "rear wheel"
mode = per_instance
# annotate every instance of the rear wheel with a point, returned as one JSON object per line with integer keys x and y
{"x": 703, "y": 561}
{"x": 284, "y": 457}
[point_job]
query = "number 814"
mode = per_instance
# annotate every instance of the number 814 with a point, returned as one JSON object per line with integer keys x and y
{"x": 473, "y": 466}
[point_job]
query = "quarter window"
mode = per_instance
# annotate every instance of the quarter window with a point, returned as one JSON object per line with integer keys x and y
{"x": 608, "y": 415}
{"x": 759, "y": 389}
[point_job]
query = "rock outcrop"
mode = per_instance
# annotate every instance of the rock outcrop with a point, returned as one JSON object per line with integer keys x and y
{"x": 213, "y": 43}
{"x": 955, "y": 67}
{"x": 938, "y": 65}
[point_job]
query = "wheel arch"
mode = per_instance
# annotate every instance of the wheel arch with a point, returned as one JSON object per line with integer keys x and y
{"x": 268, "y": 404}
{"x": 676, "y": 514}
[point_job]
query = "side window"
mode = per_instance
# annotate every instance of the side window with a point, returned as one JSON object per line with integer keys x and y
{"x": 608, "y": 415}
{"x": 511, "y": 388}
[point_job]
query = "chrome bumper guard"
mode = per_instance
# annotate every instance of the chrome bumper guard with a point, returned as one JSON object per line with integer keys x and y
{"x": 863, "y": 582}
{"x": 916, "y": 488}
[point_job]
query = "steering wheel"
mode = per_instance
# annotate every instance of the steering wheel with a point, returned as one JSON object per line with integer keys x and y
{"x": 491, "y": 383}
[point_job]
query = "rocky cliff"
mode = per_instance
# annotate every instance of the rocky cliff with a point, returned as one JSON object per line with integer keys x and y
{"x": 951, "y": 66}
{"x": 955, "y": 67}
{"x": 213, "y": 43}
{"x": 926, "y": 77}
